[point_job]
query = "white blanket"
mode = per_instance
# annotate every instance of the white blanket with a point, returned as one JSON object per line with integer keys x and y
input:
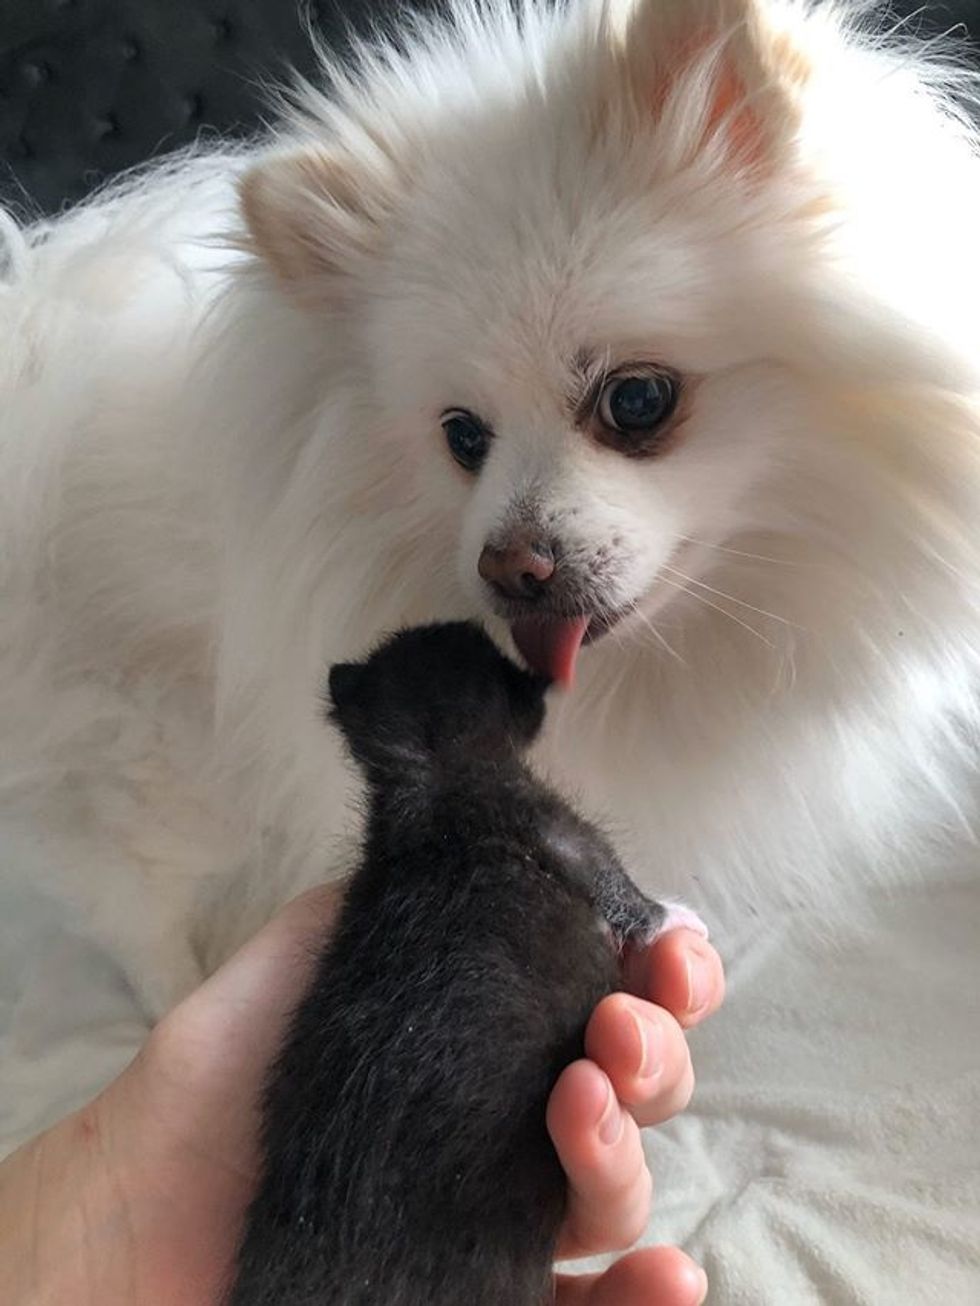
{"x": 831, "y": 1155}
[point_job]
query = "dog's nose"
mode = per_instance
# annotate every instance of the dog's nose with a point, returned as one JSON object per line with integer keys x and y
{"x": 521, "y": 569}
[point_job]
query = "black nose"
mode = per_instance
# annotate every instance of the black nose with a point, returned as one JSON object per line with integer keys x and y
{"x": 521, "y": 569}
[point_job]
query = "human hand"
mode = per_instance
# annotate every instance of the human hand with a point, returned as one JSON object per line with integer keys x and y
{"x": 139, "y": 1197}
{"x": 638, "y": 1073}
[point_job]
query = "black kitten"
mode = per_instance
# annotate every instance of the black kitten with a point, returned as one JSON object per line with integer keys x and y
{"x": 406, "y": 1157}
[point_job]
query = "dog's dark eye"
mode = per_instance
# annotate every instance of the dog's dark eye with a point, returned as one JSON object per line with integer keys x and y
{"x": 637, "y": 404}
{"x": 468, "y": 438}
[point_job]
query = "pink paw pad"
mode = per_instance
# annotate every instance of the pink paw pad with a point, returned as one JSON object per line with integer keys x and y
{"x": 679, "y": 917}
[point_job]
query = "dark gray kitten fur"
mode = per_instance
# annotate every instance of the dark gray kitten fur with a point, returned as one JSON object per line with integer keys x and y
{"x": 406, "y": 1159}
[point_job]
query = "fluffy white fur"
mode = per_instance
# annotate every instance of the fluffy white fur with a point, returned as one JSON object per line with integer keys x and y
{"x": 221, "y": 463}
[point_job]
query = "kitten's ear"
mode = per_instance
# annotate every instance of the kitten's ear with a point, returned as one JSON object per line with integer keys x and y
{"x": 316, "y": 216}
{"x": 344, "y": 681}
{"x": 721, "y": 71}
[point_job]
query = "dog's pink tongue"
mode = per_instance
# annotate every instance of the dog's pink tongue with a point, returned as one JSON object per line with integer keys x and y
{"x": 550, "y": 646}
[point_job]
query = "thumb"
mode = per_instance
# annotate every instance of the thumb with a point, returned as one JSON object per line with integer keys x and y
{"x": 245, "y": 1005}
{"x": 202, "y": 1068}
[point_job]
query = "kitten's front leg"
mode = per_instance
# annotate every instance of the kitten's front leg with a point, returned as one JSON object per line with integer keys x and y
{"x": 632, "y": 916}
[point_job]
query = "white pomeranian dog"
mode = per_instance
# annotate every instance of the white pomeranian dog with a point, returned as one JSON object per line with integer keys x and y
{"x": 647, "y": 332}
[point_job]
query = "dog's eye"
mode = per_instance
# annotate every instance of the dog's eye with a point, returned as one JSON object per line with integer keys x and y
{"x": 468, "y": 438}
{"x": 637, "y": 404}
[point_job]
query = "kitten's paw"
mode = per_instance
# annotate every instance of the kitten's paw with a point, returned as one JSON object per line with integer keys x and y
{"x": 679, "y": 917}
{"x": 658, "y": 918}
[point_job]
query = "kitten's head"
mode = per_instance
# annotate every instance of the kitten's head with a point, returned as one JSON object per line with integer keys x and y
{"x": 435, "y": 691}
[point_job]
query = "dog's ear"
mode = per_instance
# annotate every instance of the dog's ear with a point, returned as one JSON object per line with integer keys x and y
{"x": 315, "y": 216}
{"x": 720, "y": 73}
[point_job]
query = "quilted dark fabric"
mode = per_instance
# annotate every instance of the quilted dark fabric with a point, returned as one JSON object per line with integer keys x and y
{"x": 90, "y": 87}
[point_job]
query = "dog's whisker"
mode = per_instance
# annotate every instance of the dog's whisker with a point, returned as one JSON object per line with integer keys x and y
{"x": 739, "y": 553}
{"x": 636, "y": 610}
{"x": 731, "y": 598}
{"x": 718, "y": 608}
{"x": 663, "y": 642}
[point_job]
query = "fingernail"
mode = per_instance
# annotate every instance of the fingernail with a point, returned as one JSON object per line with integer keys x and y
{"x": 611, "y": 1121}
{"x": 699, "y": 983}
{"x": 651, "y": 1037}
{"x": 704, "y": 1286}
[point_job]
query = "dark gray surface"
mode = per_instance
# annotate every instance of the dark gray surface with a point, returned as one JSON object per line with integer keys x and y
{"x": 90, "y": 87}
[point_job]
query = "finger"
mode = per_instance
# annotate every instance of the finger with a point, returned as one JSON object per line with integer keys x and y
{"x": 681, "y": 972}
{"x": 598, "y": 1143}
{"x": 655, "y": 1276}
{"x": 643, "y": 1051}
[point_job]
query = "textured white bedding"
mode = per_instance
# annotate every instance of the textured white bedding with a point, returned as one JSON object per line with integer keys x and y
{"x": 831, "y": 1155}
